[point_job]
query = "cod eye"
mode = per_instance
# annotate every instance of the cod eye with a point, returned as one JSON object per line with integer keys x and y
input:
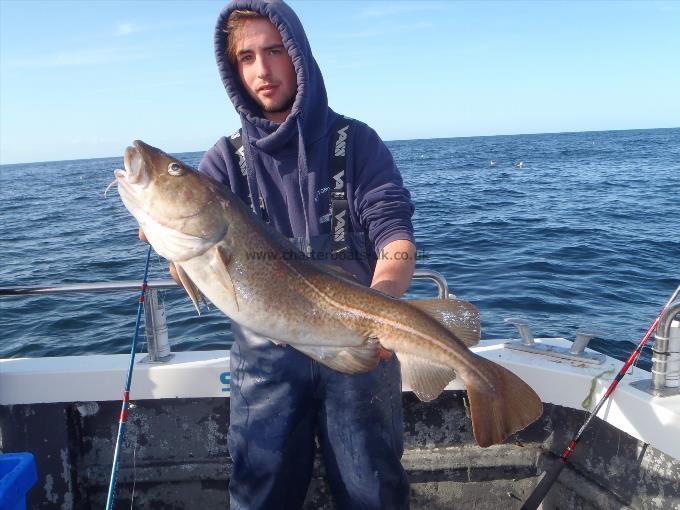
{"x": 175, "y": 169}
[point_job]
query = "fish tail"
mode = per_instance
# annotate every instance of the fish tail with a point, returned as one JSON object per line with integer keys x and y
{"x": 500, "y": 402}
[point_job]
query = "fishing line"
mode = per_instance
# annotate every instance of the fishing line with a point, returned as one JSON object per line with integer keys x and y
{"x": 541, "y": 490}
{"x": 126, "y": 392}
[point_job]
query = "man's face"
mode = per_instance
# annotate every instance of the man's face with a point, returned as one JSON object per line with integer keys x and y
{"x": 266, "y": 69}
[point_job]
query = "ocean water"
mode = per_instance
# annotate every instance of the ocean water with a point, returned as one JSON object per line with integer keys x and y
{"x": 587, "y": 234}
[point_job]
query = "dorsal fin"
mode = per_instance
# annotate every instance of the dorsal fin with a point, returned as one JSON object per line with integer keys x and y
{"x": 460, "y": 317}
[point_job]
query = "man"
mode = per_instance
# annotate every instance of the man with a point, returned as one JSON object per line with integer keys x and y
{"x": 280, "y": 165}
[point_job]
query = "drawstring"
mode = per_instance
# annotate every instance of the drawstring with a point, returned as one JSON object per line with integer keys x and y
{"x": 253, "y": 188}
{"x": 303, "y": 174}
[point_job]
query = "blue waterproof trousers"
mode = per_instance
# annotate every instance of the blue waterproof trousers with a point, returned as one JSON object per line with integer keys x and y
{"x": 281, "y": 398}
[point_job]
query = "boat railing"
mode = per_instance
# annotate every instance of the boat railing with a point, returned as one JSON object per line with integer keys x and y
{"x": 665, "y": 379}
{"x": 155, "y": 324}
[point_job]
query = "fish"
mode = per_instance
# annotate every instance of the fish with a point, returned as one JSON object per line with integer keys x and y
{"x": 225, "y": 254}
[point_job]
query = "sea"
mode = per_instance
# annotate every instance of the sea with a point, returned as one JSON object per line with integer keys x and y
{"x": 585, "y": 233}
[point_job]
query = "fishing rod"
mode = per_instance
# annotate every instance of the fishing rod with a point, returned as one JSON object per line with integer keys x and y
{"x": 126, "y": 392}
{"x": 541, "y": 490}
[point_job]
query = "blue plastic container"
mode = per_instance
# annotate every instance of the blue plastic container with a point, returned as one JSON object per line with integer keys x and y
{"x": 17, "y": 475}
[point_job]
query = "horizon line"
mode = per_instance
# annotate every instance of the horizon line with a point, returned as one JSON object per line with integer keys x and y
{"x": 391, "y": 140}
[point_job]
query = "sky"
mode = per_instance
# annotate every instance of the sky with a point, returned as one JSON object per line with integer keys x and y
{"x": 83, "y": 79}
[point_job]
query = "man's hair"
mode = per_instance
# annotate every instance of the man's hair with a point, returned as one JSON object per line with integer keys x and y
{"x": 233, "y": 27}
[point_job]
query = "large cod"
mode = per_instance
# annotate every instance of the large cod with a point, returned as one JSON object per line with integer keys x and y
{"x": 259, "y": 280}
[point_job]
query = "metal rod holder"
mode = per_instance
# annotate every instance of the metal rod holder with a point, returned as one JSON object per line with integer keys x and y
{"x": 665, "y": 381}
{"x": 156, "y": 329}
{"x": 673, "y": 364}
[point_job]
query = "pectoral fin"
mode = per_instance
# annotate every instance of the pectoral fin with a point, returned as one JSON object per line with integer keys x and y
{"x": 220, "y": 267}
{"x": 348, "y": 360}
{"x": 193, "y": 291}
{"x": 427, "y": 379}
{"x": 459, "y": 317}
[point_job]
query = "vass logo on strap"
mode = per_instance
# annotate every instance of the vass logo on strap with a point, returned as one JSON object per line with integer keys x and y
{"x": 341, "y": 143}
{"x": 339, "y": 233}
{"x": 339, "y": 230}
{"x": 338, "y": 166}
{"x": 242, "y": 160}
{"x": 339, "y": 182}
{"x": 239, "y": 152}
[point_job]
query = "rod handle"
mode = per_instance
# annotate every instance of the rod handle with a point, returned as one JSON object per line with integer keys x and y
{"x": 543, "y": 487}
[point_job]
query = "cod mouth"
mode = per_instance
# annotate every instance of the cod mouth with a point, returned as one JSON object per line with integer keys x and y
{"x": 134, "y": 172}
{"x": 135, "y": 166}
{"x": 134, "y": 177}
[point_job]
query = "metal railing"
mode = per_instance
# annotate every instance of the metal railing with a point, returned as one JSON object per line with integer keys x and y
{"x": 438, "y": 279}
{"x": 85, "y": 287}
{"x": 665, "y": 359}
{"x": 155, "y": 324}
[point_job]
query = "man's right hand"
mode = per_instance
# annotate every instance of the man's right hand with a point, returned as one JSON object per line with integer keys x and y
{"x": 171, "y": 266}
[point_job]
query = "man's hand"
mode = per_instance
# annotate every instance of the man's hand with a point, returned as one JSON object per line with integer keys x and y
{"x": 171, "y": 266}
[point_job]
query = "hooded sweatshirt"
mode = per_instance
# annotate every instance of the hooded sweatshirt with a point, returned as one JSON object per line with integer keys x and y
{"x": 287, "y": 164}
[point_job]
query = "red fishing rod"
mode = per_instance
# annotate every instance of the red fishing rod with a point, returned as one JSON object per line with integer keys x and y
{"x": 126, "y": 392}
{"x": 551, "y": 475}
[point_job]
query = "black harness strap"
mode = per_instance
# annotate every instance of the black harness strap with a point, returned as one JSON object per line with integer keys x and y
{"x": 338, "y": 186}
{"x": 236, "y": 142}
{"x": 338, "y": 183}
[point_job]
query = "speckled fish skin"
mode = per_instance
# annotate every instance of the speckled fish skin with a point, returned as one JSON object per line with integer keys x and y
{"x": 259, "y": 280}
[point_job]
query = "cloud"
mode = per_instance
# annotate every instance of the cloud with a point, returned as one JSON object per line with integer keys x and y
{"x": 176, "y": 84}
{"x": 80, "y": 58}
{"x": 125, "y": 29}
{"x": 131, "y": 27}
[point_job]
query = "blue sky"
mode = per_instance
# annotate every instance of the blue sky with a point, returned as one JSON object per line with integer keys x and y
{"x": 83, "y": 79}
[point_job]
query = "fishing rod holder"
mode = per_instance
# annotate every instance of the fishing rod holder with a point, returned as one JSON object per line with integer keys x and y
{"x": 155, "y": 329}
{"x": 576, "y": 353}
{"x": 665, "y": 381}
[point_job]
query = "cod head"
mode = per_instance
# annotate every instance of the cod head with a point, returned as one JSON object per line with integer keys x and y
{"x": 181, "y": 211}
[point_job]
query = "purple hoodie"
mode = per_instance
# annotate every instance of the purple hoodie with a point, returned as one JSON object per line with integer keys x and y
{"x": 289, "y": 162}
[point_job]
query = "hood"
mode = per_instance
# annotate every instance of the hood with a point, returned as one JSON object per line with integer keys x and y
{"x": 310, "y": 108}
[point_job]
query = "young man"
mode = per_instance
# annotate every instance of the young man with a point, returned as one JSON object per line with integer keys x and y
{"x": 331, "y": 186}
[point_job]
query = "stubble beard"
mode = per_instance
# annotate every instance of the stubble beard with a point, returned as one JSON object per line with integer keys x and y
{"x": 283, "y": 106}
